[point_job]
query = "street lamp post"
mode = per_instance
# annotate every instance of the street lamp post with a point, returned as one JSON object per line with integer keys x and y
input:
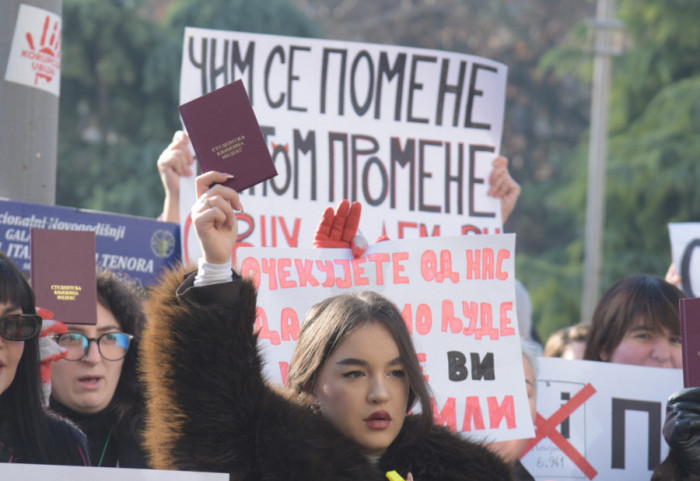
{"x": 604, "y": 27}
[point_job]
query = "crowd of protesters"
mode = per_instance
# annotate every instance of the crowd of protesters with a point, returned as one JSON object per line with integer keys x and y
{"x": 172, "y": 378}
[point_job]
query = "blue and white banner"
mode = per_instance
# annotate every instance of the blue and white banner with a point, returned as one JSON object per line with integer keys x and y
{"x": 138, "y": 247}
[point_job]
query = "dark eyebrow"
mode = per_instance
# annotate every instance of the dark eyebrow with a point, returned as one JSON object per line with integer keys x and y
{"x": 109, "y": 328}
{"x": 351, "y": 361}
{"x": 78, "y": 328}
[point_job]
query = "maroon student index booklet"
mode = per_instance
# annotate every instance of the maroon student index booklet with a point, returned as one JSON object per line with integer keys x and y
{"x": 63, "y": 274}
{"x": 689, "y": 310}
{"x": 226, "y": 136}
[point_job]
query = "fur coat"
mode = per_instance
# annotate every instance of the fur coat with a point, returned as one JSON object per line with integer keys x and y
{"x": 209, "y": 408}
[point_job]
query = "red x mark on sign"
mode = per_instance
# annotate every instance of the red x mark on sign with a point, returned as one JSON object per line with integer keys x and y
{"x": 548, "y": 428}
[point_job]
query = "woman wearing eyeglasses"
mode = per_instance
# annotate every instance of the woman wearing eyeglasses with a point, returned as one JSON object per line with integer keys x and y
{"x": 28, "y": 434}
{"x": 96, "y": 385}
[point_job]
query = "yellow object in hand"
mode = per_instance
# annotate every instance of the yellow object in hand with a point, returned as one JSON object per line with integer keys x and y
{"x": 394, "y": 476}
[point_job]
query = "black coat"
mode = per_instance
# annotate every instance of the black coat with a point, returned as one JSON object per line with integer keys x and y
{"x": 109, "y": 447}
{"x": 209, "y": 408}
{"x": 70, "y": 444}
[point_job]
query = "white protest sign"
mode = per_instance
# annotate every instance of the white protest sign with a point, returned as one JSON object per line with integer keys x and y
{"x": 35, "y": 55}
{"x": 457, "y": 297}
{"x": 598, "y": 420}
{"x": 410, "y": 133}
{"x": 32, "y": 472}
{"x": 189, "y": 245}
{"x": 685, "y": 252}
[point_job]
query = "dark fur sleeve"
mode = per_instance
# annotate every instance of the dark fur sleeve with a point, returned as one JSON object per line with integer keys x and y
{"x": 209, "y": 408}
{"x": 443, "y": 456}
{"x": 202, "y": 375}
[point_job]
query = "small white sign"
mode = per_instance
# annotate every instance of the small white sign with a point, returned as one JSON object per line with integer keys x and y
{"x": 35, "y": 54}
{"x": 685, "y": 241}
{"x": 599, "y": 421}
{"x": 32, "y": 472}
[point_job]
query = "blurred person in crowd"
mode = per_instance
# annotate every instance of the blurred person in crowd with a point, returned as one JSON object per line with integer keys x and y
{"x": 174, "y": 162}
{"x": 504, "y": 187}
{"x": 636, "y": 322}
{"x": 511, "y": 450}
{"x": 96, "y": 385}
{"x": 28, "y": 433}
{"x": 353, "y": 379}
{"x": 568, "y": 342}
{"x": 673, "y": 277}
{"x": 682, "y": 426}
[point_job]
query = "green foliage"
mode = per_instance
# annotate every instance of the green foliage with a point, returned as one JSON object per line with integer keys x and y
{"x": 652, "y": 167}
{"x": 107, "y": 152}
{"x": 572, "y": 57}
{"x": 653, "y": 178}
{"x": 271, "y": 16}
{"x": 664, "y": 40}
{"x": 120, "y": 91}
{"x": 554, "y": 289}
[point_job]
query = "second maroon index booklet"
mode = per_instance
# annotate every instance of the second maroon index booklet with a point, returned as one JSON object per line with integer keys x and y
{"x": 226, "y": 136}
{"x": 63, "y": 274}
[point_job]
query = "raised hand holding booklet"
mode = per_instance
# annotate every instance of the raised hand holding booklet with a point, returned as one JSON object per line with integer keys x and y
{"x": 226, "y": 136}
{"x": 63, "y": 274}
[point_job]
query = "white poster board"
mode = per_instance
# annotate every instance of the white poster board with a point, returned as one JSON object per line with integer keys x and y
{"x": 685, "y": 252}
{"x": 457, "y": 297}
{"x": 35, "y": 55}
{"x": 34, "y": 472}
{"x": 410, "y": 133}
{"x": 598, "y": 420}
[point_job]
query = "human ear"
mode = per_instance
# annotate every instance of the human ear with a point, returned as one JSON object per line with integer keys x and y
{"x": 309, "y": 389}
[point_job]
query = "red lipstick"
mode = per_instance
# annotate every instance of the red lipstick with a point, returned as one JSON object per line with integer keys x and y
{"x": 378, "y": 420}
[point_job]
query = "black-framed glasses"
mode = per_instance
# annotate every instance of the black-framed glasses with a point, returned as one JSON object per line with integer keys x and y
{"x": 112, "y": 346}
{"x": 20, "y": 327}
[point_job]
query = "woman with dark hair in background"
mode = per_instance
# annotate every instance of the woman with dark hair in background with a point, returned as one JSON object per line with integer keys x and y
{"x": 28, "y": 434}
{"x": 636, "y": 322}
{"x": 96, "y": 385}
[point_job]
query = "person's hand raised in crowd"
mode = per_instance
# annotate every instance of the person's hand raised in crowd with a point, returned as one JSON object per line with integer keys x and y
{"x": 672, "y": 277}
{"x": 504, "y": 187}
{"x": 174, "y": 162}
{"x": 339, "y": 228}
{"x": 214, "y": 217}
